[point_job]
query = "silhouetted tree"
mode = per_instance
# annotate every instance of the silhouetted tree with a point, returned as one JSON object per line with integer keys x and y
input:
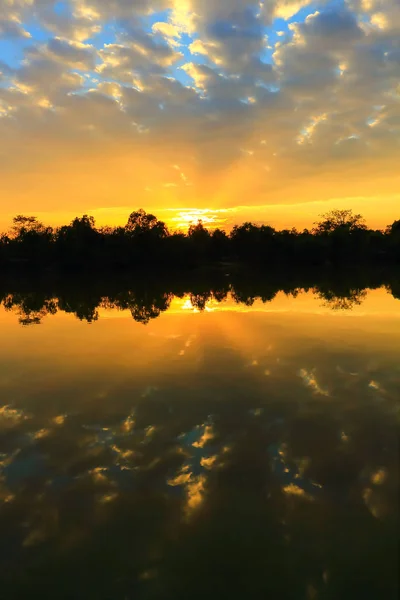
{"x": 142, "y": 223}
{"x": 220, "y": 246}
{"x": 344, "y": 220}
{"x": 341, "y": 237}
{"x": 345, "y": 234}
{"x": 393, "y": 235}
{"x": 200, "y": 240}
{"x": 29, "y": 240}
{"x": 78, "y": 242}
{"x": 23, "y": 225}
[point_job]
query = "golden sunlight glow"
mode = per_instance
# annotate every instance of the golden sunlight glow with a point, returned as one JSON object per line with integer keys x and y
{"x": 184, "y": 218}
{"x": 172, "y": 116}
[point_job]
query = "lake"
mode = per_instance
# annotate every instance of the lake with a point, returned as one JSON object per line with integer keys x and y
{"x": 199, "y": 445}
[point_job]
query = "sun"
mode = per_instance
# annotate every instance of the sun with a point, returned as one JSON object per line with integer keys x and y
{"x": 185, "y": 217}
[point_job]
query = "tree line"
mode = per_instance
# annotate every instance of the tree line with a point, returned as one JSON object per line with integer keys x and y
{"x": 340, "y": 237}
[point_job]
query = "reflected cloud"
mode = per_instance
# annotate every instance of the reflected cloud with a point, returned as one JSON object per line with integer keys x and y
{"x": 42, "y": 433}
{"x": 181, "y": 479}
{"x": 374, "y": 385}
{"x": 379, "y": 477}
{"x": 193, "y": 486}
{"x": 107, "y": 498}
{"x": 99, "y": 475}
{"x": 310, "y": 381}
{"x": 187, "y": 344}
{"x": 9, "y": 417}
{"x": 208, "y": 462}
{"x": 125, "y": 455}
{"x": 59, "y": 420}
{"x": 295, "y": 490}
{"x": 344, "y": 437}
{"x": 195, "y": 492}
{"x": 376, "y": 503}
{"x": 128, "y": 424}
{"x": 206, "y": 437}
{"x": 185, "y": 471}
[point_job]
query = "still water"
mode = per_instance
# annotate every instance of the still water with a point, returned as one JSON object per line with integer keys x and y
{"x": 206, "y": 448}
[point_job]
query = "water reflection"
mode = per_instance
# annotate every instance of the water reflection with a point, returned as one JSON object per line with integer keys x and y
{"x": 215, "y": 453}
{"x": 148, "y": 299}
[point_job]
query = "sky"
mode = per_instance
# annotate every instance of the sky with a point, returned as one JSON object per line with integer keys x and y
{"x": 274, "y": 111}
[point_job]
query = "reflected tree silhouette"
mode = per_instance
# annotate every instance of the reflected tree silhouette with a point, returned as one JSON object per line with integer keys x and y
{"x": 234, "y": 486}
{"x": 148, "y": 300}
{"x": 221, "y": 294}
{"x": 243, "y": 297}
{"x": 84, "y": 307}
{"x": 394, "y": 289}
{"x": 199, "y": 301}
{"x": 346, "y": 301}
{"x": 143, "y": 305}
{"x": 31, "y": 307}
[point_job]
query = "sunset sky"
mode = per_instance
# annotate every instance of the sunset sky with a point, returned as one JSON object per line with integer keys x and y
{"x": 227, "y": 110}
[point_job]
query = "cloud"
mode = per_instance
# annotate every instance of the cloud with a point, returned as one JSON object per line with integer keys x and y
{"x": 285, "y": 9}
{"x": 138, "y": 54}
{"x": 171, "y": 33}
{"x": 70, "y": 53}
{"x": 329, "y": 30}
{"x": 198, "y": 47}
{"x": 384, "y": 14}
{"x": 11, "y": 28}
{"x": 138, "y": 87}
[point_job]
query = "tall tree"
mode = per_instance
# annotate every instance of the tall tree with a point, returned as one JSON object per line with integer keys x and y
{"x": 344, "y": 220}
{"x": 140, "y": 222}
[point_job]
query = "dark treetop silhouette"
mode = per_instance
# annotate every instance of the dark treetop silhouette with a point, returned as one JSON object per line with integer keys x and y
{"x": 341, "y": 237}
